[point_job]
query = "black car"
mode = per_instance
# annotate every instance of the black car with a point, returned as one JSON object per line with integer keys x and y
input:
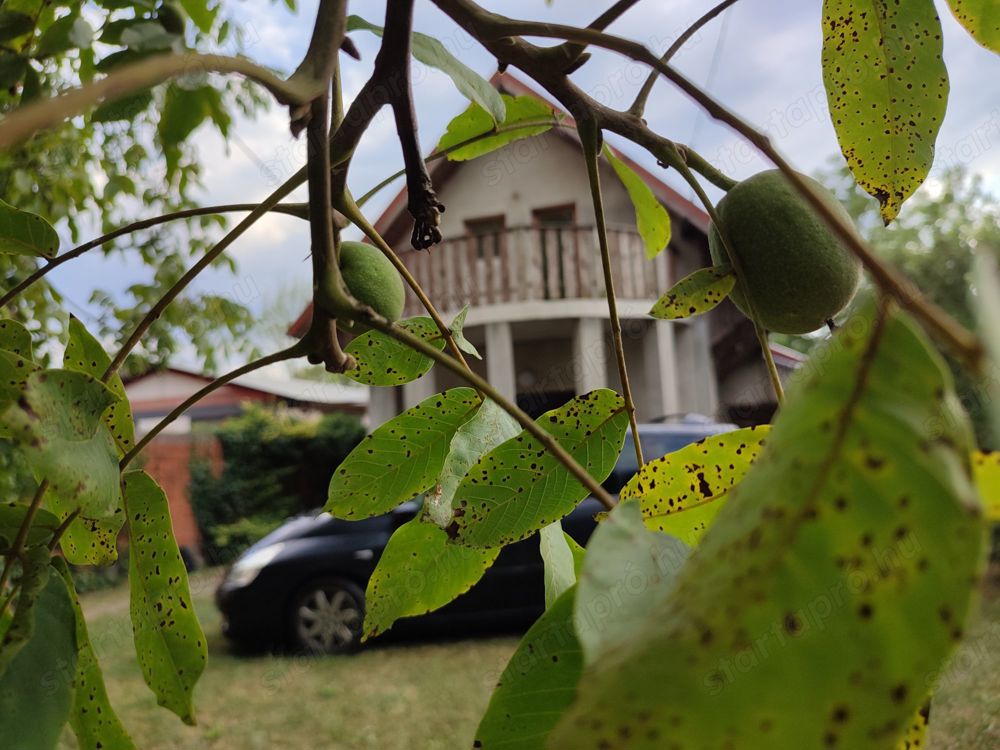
{"x": 303, "y": 585}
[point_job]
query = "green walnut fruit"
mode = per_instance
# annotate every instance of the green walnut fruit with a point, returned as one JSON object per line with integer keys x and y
{"x": 171, "y": 17}
{"x": 371, "y": 279}
{"x": 794, "y": 268}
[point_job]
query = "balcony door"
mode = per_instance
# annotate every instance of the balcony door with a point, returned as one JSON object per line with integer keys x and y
{"x": 557, "y": 241}
{"x": 487, "y": 237}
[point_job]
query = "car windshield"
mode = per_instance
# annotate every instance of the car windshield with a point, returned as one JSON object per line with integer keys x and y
{"x": 654, "y": 445}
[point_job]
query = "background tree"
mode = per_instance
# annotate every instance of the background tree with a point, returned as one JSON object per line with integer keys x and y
{"x": 121, "y": 160}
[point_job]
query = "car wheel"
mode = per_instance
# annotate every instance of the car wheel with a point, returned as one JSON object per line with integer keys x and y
{"x": 326, "y": 616}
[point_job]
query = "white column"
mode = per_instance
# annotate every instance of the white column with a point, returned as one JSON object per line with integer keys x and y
{"x": 381, "y": 406}
{"x": 709, "y": 395}
{"x": 660, "y": 360}
{"x": 417, "y": 390}
{"x": 500, "y": 369}
{"x": 590, "y": 355}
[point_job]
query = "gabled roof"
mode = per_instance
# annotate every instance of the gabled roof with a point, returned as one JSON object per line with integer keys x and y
{"x": 395, "y": 220}
{"x": 317, "y": 393}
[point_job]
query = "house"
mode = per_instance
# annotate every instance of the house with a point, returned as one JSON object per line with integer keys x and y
{"x": 168, "y": 457}
{"x": 520, "y": 248}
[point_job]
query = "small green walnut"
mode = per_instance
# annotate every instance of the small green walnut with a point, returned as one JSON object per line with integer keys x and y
{"x": 372, "y": 280}
{"x": 172, "y": 18}
{"x": 794, "y": 268}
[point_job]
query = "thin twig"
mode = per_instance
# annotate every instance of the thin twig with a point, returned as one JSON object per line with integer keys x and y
{"x": 128, "y": 79}
{"x": 590, "y": 138}
{"x": 639, "y": 105}
{"x": 299, "y": 349}
{"x": 206, "y": 260}
{"x": 292, "y": 209}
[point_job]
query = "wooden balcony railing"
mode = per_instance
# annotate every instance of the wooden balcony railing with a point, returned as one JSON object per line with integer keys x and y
{"x": 524, "y": 264}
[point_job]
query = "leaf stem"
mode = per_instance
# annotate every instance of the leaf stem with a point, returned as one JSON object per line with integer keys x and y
{"x": 292, "y": 209}
{"x": 639, "y": 105}
{"x": 590, "y": 138}
{"x": 299, "y": 349}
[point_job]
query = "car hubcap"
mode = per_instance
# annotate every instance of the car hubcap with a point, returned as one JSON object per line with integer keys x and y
{"x": 328, "y": 620}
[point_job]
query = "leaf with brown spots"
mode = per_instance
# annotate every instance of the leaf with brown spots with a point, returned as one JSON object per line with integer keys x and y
{"x": 986, "y": 469}
{"x": 94, "y": 721}
{"x": 402, "y": 458}
{"x": 57, "y": 421}
{"x": 85, "y": 354}
{"x": 15, "y": 338}
{"x": 384, "y": 361}
{"x": 35, "y": 688}
{"x": 519, "y": 487}
{"x": 682, "y": 492}
{"x": 822, "y": 579}
{"x": 696, "y": 293}
{"x": 887, "y": 87}
{"x": 537, "y": 685}
{"x": 168, "y": 638}
{"x": 981, "y": 18}
{"x": 420, "y": 571}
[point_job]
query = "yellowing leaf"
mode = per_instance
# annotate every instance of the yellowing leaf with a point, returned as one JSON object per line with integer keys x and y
{"x": 981, "y": 18}
{"x": 887, "y": 87}
{"x": 651, "y": 218}
{"x": 695, "y": 294}
{"x": 986, "y": 469}
{"x": 681, "y": 492}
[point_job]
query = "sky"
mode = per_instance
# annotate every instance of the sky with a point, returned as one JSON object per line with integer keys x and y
{"x": 761, "y": 58}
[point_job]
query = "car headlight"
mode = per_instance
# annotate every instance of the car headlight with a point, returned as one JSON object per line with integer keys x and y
{"x": 248, "y": 567}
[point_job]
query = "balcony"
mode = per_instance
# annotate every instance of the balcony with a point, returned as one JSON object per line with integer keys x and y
{"x": 535, "y": 263}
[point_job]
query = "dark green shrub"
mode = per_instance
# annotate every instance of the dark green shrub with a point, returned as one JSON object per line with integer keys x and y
{"x": 275, "y": 466}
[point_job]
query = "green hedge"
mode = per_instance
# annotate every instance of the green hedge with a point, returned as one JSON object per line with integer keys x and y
{"x": 275, "y": 466}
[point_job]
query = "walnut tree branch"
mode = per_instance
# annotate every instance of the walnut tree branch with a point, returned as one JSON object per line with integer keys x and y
{"x": 500, "y": 35}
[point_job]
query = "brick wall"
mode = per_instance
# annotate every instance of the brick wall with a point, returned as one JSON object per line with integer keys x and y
{"x": 167, "y": 459}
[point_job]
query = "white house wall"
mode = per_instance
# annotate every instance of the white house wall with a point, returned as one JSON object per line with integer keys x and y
{"x": 539, "y": 172}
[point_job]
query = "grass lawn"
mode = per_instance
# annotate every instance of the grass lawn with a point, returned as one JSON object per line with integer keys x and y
{"x": 416, "y": 696}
